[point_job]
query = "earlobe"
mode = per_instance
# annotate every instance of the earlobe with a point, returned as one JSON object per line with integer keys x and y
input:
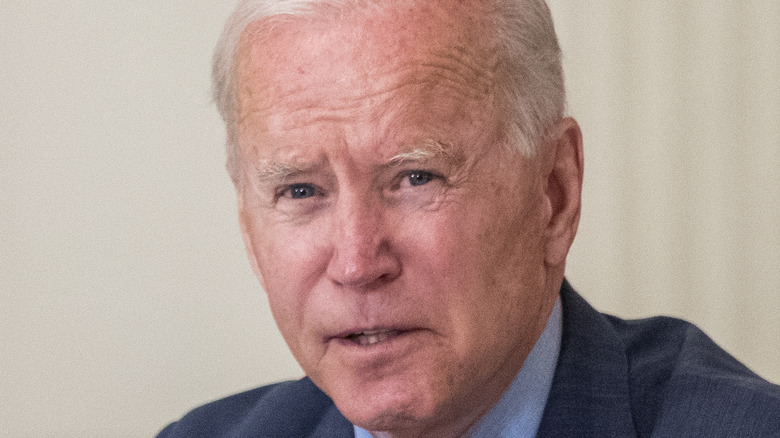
{"x": 564, "y": 191}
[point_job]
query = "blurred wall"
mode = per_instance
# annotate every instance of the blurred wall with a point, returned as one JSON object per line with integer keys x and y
{"x": 125, "y": 296}
{"x": 680, "y": 107}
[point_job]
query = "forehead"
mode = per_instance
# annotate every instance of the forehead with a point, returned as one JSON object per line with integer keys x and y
{"x": 376, "y": 81}
{"x": 364, "y": 51}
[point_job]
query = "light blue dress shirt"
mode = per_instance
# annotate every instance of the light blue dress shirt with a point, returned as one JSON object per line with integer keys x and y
{"x": 519, "y": 411}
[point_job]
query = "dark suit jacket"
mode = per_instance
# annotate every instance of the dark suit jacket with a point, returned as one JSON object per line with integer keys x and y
{"x": 659, "y": 377}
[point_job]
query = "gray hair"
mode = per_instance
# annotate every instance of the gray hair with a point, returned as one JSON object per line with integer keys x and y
{"x": 532, "y": 86}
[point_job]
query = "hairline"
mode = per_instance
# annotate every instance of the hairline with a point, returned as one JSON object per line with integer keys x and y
{"x": 526, "y": 129}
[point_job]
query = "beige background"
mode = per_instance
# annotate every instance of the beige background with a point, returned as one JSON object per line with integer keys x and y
{"x": 125, "y": 296}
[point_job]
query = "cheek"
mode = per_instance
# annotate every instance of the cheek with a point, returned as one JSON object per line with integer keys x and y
{"x": 464, "y": 245}
{"x": 291, "y": 261}
{"x": 444, "y": 262}
{"x": 289, "y": 253}
{"x": 487, "y": 258}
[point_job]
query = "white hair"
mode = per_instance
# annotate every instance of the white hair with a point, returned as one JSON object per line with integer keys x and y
{"x": 532, "y": 85}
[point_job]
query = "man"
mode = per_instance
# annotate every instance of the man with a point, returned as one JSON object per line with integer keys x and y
{"x": 408, "y": 190}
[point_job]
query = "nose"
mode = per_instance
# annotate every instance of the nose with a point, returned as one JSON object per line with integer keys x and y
{"x": 363, "y": 255}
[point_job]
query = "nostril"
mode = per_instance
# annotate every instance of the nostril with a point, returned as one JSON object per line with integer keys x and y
{"x": 389, "y": 276}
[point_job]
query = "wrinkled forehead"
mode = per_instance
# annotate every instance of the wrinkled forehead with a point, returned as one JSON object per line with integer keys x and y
{"x": 357, "y": 45}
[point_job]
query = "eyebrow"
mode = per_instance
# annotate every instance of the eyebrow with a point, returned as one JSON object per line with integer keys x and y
{"x": 268, "y": 170}
{"x": 275, "y": 171}
{"x": 428, "y": 149}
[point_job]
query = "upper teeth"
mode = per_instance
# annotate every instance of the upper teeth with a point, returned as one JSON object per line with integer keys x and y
{"x": 371, "y": 337}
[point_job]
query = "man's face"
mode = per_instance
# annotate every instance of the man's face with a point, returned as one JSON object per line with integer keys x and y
{"x": 400, "y": 241}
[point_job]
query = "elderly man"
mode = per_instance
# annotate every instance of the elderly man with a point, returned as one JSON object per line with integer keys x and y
{"x": 408, "y": 190}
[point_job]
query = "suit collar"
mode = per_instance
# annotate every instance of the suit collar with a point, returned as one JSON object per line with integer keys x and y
{"x": 590, "y": 391}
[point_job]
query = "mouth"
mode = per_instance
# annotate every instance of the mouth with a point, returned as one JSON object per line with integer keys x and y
{"x": 366, "y": 338}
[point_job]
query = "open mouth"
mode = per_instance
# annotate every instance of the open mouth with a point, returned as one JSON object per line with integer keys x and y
{"x": 366, "y": 338}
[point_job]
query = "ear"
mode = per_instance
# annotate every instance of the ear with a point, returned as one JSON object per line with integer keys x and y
{"x": 246, "y": 233}
{"x": 563, "y": 190}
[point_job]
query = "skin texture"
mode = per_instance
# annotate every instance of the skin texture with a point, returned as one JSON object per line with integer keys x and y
{"x": 378, "y": 194}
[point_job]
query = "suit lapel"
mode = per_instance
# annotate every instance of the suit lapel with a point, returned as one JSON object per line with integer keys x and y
{"x": 333, "y": 425}
{"x": 590, "y": 390}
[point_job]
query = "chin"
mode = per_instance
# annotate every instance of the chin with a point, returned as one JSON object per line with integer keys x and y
{"x": 393, "y": 420}
{"x": 388, "y": 421}
{"x": 383, "y": 411}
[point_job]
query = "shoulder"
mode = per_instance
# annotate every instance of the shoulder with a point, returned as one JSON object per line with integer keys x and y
{"x": 287, "y": 409}
{"x": 681, "y": 380}
{"x": 651, "y": 377}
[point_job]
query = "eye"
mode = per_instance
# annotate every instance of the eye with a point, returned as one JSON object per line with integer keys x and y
{"x": 419, "y": 177}
{"x": 300, "y": 191}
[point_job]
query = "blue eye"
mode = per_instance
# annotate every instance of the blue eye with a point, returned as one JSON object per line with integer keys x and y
{"x": 419, "y": 177}
{"x": 302, "y": 191}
